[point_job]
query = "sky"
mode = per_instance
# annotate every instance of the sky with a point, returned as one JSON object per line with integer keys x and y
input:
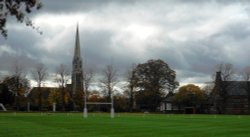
{"x": 191, "y": 36}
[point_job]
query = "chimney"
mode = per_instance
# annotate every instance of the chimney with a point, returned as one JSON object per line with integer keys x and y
{"x": 218, "y": 77}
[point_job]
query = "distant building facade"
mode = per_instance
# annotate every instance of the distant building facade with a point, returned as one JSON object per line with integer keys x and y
{"x": 167, "y": 104}
{"x": 230, "y": 97}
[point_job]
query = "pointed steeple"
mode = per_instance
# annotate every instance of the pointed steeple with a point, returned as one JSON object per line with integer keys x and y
{"x": 77, "y": 44}
{"x": 77, "y": 70}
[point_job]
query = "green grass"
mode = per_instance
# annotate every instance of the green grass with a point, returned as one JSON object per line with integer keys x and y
{"x": 123, "y": 125}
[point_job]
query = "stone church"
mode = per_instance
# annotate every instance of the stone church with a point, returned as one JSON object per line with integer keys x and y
{"x": 230, "y": 97}
{"x": 74, "y": 91}
{"x": 77, "y": 70}
{"x": 77, "y": 86}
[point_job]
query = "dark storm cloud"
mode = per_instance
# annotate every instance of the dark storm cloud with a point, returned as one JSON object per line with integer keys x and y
{"x": 71, "y": 6}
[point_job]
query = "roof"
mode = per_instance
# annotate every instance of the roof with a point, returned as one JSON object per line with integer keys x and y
{"x": 169, "y": 97}
{"x": 45, "y": 91}
{"x": 233, "y": 88}
{"x": 237, "y": 87}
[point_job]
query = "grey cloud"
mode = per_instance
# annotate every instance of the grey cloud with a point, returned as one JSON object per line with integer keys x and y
{"x": 193, "y": 54}
{"x": 96, "y": 47}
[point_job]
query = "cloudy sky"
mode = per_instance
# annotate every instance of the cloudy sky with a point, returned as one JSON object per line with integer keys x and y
{"x": 192, "y": 36}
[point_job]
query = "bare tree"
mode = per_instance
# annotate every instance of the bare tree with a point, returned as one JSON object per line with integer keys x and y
{"x": 87, "y": 78}
{"x": 62, "y": 78}
{"x": 109, "y": 80}
{"x": 208, "y": 88}
{"x": 17, "y": 69}
{"x": 228, "y": 72}
{"x": 39, "y": 74}
{"x": 17, "y": 82}
{"x": 246, "y": 73}
{"x": 132, "y": 81}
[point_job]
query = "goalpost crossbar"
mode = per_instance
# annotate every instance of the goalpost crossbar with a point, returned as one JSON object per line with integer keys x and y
{"x": 85, "y": 110}
{"x": 98, "y": 103}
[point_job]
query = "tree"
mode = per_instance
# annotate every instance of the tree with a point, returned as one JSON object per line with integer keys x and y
{"x": 155, "y": 78}
{"x": 55, "y": 97}
{"x": 17, "y": 69}
{"x": 109, "y": 80}
{"x": 246, "y": 77}
{"x": 39, "y": 74}
{"x": 6, "y": 97}
{"x": 17, "y": 83}
{"x": 121, "y": 103}
{"x": 94, "y": 96}
{"x": 246, "y": 73}
{"x": 132, "y": 80}
{"x": 18, "y": 86}
{"x": 87, "y": 78}
{"x": 19, "y": 9}
{"x": 62, "y": 78}
{"x": 228, "y": 73}
{"x": 208, "y": 88}
{"x": 190, "y": 96}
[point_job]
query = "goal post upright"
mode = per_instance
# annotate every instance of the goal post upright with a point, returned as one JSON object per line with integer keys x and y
{"x": 85, "y": 110}
{"x": 112, "y": 113}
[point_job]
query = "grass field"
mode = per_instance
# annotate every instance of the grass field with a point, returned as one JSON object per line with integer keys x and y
{"x": 123, "y": 125}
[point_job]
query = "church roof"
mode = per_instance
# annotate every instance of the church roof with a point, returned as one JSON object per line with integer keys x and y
{"x": 236, "y": 87}
{"x": 45, "y": 91}
{"x": 232, "y": 88}
{"x": 169, "y": 97}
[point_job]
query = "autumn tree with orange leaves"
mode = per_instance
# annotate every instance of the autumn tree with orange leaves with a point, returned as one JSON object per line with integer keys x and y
{"x": 190, "y": 96}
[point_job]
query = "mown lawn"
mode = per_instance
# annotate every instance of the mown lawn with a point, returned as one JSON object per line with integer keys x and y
{"x": 123, "y": 125}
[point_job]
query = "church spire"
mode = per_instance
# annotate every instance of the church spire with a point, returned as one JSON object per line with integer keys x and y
{"x": 77, "y": 70}
{"x": 77, "y": 44}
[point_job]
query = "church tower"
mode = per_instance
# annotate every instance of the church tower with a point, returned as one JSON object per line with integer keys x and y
{"x": 77, "y": 70}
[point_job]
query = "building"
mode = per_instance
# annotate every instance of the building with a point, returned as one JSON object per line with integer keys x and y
{"x": 77, "y": 75}
{"x": 167, "y": 103}
{"x": 33, "y": 98}
{"x": 230, "y": 97}
{"x": 72, "y": 92}
{"x": 77, "y": 70}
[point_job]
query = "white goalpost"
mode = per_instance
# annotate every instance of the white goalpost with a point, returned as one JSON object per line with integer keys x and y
{"x": 2, "y": 106}
{"x": 85, "y": 110}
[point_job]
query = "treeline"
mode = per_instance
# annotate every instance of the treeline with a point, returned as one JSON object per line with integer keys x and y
{"x": 147, "y": 84}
